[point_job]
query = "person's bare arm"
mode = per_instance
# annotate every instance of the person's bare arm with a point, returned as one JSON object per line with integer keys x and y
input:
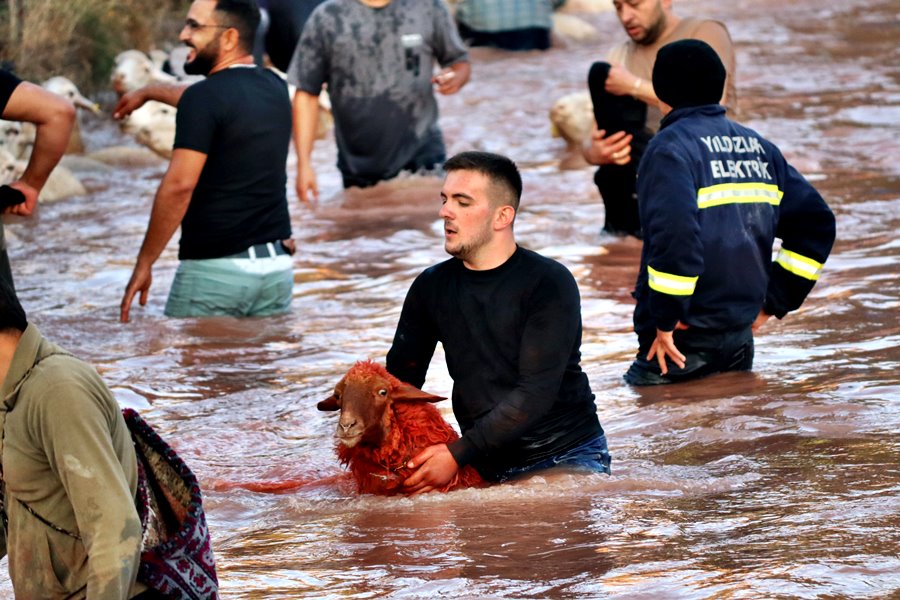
{"x": 169, "y": 207}
{"x": 167, "y": 93}
{"x": 453, "y": 78}
{"x": 306, "y": 114}
{"x": 623, "y": 82}
{"x": 54, "y": 118}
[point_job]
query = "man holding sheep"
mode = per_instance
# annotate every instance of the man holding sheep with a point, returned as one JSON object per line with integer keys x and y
{"x": 509, "y": 321}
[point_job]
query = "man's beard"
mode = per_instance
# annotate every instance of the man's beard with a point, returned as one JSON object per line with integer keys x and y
{"x": 204, "y": 59}
{"x": 654, "y": 31}
{"x": 468, "y": 251}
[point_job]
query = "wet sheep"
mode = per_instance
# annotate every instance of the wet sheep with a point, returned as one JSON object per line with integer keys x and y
{"x": 383, "y": 424}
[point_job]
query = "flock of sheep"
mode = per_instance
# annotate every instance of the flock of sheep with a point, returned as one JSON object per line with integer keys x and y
{"x": 153, "y": 125}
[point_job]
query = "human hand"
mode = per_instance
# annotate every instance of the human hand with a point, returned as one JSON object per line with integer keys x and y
{"x": 663, "y": 346}
{"x": 435, "y": 468}
{"x": 140, "y": 281}
{"x": 306, "y": 184}
{"x": 128, "y": 103}
{"x": 760, "y": 320}
{"x": 621, "y": 81}
{"x": 26, "y": 208}
{"x": 447, "y": 82}
{"x": 600, "y": 149}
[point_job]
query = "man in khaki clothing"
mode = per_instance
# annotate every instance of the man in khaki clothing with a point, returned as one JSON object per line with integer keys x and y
{"x": 650, "y": 25}
{"x": 67, "y": 458}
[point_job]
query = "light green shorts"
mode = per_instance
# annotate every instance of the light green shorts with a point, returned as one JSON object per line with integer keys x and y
{"x": 238, "y": 287}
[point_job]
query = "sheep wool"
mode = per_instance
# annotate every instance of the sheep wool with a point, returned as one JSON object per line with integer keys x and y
{"x": 414, "y": 424}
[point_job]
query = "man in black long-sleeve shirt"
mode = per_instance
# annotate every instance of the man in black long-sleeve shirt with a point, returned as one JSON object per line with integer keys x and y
{"x": 510, "y": 324}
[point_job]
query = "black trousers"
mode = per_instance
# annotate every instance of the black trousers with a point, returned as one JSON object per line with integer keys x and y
{"x": 706, "y": 351}
{"x": 617, "y": 183}
{"x": 530, "y": 38}
{"x": 617, "y": 187}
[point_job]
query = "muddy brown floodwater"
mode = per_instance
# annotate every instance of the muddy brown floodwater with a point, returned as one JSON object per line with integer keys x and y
{"x": 783, "y": 483}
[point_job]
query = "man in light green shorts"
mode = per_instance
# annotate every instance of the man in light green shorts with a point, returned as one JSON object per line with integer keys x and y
{"x": 225, "y": 185}
{"x": 248, "y": 285}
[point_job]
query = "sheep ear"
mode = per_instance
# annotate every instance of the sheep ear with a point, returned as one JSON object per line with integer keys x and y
{"x": 410, "y": 393}
{"x": 329, "y": 403}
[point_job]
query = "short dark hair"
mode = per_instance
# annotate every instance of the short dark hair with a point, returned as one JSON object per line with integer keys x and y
{"x": 12, "y": 315}
{"x": 242, "y": 15}
{"x": 501, "y": 171}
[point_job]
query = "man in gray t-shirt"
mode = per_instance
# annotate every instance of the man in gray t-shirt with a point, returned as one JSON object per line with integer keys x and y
{"x": 377, "y": 59}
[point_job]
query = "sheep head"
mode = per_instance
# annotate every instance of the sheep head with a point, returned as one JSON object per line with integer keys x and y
{"x": 64, "y": 87}
{"x": 365, "y": 396}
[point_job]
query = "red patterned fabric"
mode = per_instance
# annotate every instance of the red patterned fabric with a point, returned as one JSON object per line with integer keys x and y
{"x": 181, "y": 566}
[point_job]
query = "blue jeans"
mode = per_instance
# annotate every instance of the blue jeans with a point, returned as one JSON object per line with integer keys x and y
{"x": 592, "y": 455}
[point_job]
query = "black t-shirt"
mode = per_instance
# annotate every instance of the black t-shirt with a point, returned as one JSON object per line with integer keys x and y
{"x": 8, "y": 84}
{"x": 287, "y": 18}
{"x": 241, "y": 119}
{"x": 512, "y": 339}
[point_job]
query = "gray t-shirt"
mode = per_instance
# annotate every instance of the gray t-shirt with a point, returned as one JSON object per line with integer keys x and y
{"x": 378, "y": 64}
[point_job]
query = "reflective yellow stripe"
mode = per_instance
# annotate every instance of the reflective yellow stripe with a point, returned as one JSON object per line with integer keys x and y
{"x": 738, "y": 193}
{"x": 799, "y": 265}
{"x": 674, "y": 285}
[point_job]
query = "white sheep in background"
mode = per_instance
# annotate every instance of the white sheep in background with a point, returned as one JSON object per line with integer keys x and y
{"x": 572, "y": 118}
{"x": 586, "y": 6}
{"x": 133, "y": 69}
{"x": 60, "y": 185}
{"x": 17, "y": 138}
{"x": 153, "y": 126}
{"x": 570, "y": 27}
{"x": 64, "y": 87}
{"x": 11, "y": 168}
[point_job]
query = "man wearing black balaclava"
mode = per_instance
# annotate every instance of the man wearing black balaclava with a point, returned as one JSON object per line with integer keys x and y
{"x": 713, "y": 196}
{"x": 625, "y": 107}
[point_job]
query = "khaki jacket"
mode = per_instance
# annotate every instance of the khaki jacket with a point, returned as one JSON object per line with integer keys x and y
{"x": 67, "y": 454}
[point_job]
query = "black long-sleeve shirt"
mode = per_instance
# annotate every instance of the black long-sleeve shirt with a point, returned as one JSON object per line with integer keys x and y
{"x": 512, "y": 338}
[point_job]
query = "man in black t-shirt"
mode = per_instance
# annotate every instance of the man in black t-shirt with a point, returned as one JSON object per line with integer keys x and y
{"x": 280, "y": 33}
{"x": 225, "y": 185}
{"x": 509, "y": 321}
{"x": 53, "y": 117}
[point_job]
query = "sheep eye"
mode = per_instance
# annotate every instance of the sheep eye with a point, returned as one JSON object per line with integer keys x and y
{"x": 382, "y": 392}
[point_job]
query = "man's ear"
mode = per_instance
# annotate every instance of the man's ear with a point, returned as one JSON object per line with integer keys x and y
{"x": 231, "y": 39}
{"x": 504, "y": 217}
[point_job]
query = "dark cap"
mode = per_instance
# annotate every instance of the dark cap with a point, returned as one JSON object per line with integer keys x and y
{"x": 688, "y": 73}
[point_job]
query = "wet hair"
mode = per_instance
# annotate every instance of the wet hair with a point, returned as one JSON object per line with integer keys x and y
{"x": 242, "y": 15}
{"x": 12, "y": 315}
{"x": 501, "y": 171}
